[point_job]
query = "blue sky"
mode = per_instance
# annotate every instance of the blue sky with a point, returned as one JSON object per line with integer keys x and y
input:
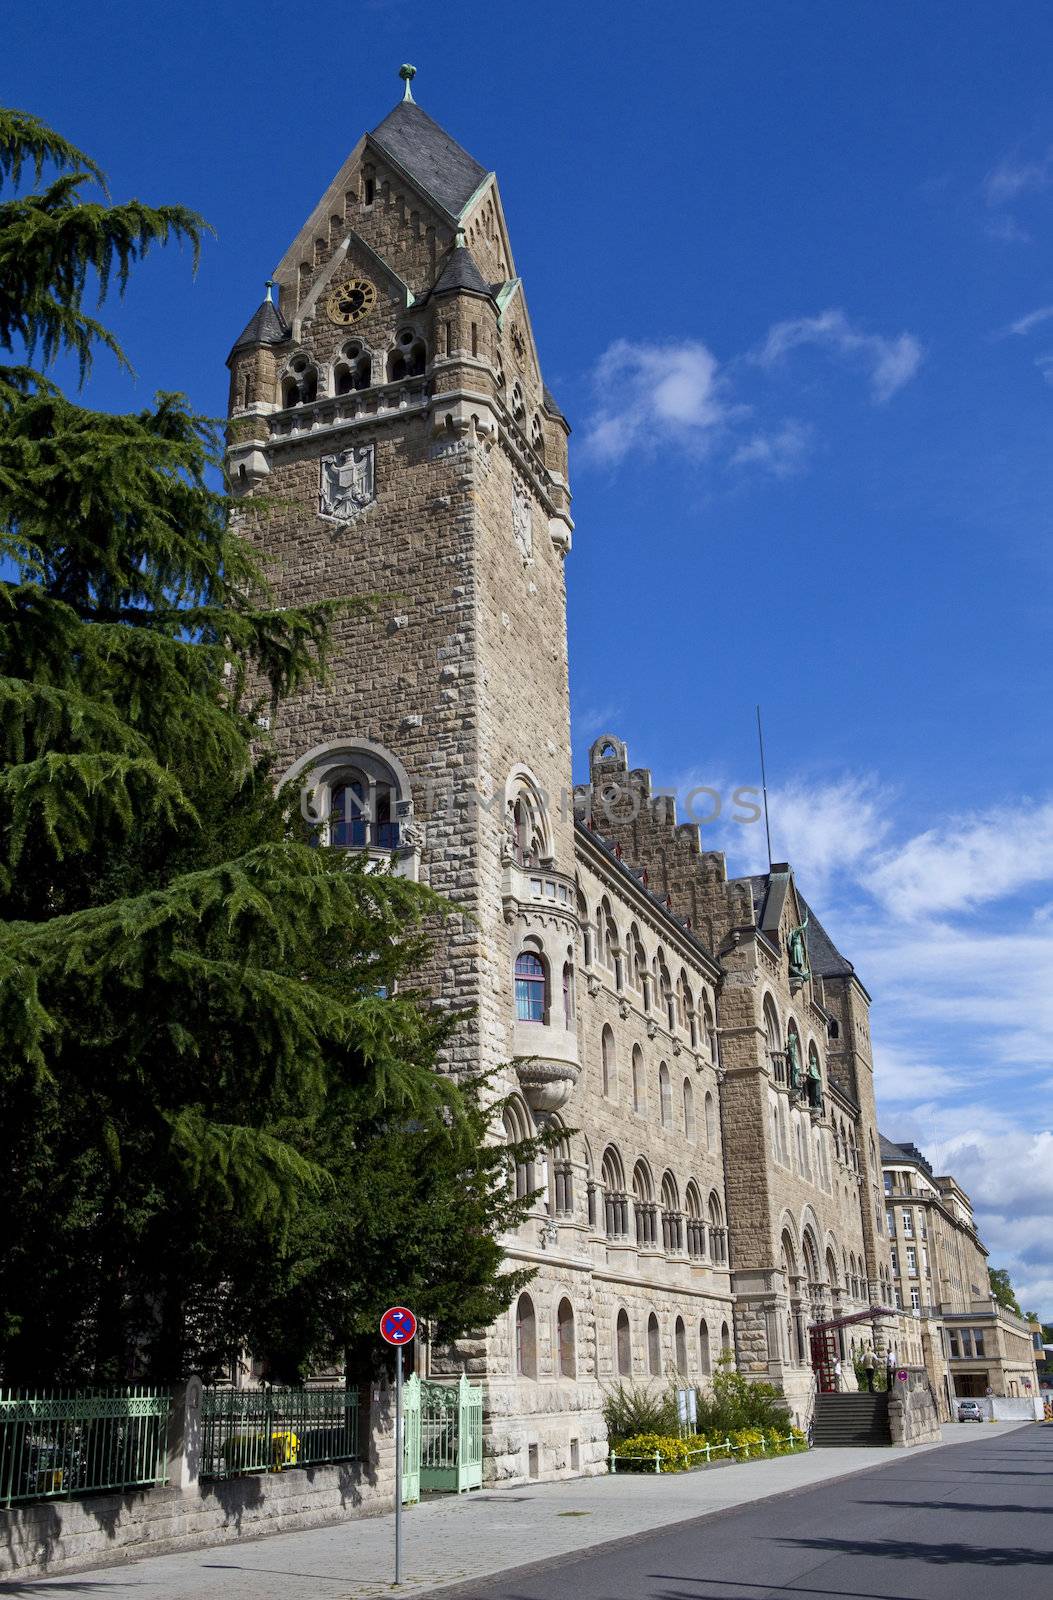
{"x": 789, "y": 270}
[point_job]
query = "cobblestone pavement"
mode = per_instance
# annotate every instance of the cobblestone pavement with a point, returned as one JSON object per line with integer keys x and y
{"x": 452, "y": 1540}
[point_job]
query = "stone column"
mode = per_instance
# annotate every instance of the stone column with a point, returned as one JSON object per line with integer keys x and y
{"x": 184, "y": 1435}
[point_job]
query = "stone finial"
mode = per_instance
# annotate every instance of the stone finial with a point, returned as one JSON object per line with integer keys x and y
{"x": 268, "y": 286}
{"x": 407, "y": 74}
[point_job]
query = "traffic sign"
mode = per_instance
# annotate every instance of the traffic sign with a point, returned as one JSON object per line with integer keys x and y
{"x": 398, "y": 1325}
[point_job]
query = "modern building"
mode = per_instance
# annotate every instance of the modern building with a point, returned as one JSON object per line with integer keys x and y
{"x": 698, "y": 1042}
{"x": 971, "y": 1345}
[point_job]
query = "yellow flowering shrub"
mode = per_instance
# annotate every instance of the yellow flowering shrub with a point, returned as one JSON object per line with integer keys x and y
{"x": 672, "y": 1452}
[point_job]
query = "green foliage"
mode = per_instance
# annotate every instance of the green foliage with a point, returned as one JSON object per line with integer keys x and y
{"x": 671, "y": 1451}
{"x": 631, "y": 1409}
{"x": 675, "y": 1454}
{"x": 223, "y": 1124}
{"x": 1002, "y": 1289}
{"x": 737, "y": 1402}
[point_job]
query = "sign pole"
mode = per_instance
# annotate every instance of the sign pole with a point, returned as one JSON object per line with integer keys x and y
{"x": 398, "y": 1326}
{"x": 398, "y": 1463}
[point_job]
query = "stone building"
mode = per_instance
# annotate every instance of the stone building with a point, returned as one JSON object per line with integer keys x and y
{"x": 702, "y": 1036}
{"x": 971, "y": 1345}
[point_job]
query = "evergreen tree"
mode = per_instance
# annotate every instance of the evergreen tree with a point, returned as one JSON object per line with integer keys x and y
{"x": 221, "y": 1119}
{"x": 1002, "y": 1289}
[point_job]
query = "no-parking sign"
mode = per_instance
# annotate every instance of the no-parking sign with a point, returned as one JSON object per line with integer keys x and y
{"x": 398, "y": 1325}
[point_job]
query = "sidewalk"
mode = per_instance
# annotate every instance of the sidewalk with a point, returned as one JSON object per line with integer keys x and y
{"x": 457, "y": 1539}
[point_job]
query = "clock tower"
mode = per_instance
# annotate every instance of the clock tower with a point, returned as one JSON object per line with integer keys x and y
{"x": 392, "y": 436}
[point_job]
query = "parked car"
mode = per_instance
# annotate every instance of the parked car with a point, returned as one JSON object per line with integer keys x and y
{"x": 969, "y": 1411}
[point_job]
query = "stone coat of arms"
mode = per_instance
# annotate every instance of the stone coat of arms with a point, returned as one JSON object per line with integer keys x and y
{"x": 348, "y": 483}
{"x": 522, "y": 522}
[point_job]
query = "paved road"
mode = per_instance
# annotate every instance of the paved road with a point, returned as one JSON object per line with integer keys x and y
{"x": 463, "y": 1540}
{"x": 969, "y": 1520}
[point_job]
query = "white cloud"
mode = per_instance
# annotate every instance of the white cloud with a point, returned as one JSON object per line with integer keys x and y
{"x": 951, "y": 930}
{"x": 783, "y": 452}
{"x": 967, "y": 861}
{"x": 661, "y": 390}
{"x": 1010, "y": 179}
{"x": 1024, "y": 325}
{"x": 821, "y": 828}
{"x": 651, "y": 395}
{"x": 891, "y": 362}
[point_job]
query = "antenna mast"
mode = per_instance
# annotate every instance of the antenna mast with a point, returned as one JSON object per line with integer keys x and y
{"x": 764, "y": 785}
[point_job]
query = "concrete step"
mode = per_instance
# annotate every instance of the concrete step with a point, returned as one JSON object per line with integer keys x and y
{"x": 850, "y": 1420}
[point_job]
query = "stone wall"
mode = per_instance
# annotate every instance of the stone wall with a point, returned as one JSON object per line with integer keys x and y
{"x": 57, "y": 1536}
{"x": 912, "y": 1412}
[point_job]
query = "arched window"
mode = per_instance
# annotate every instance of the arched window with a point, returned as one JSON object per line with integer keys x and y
{"x": 348, "y": 808}
{"x": 615, "y": 1200}
{"x": 711, "y": 1122}
{"x": 772, "y": 1032}
{"x": 531, "y": 987}
{"x": 610, "y": 1080}
{"x": 639, "y": 1099}
{"x": 680, "y": 1342}
{"x": 637, "y": 963}
{"x": 718, "y": 1248}
{"x": 527, "y": 821}
{"x": 565, "y": 1339}
{"x": 568, "y": 994}
{"x": 409, "y": 357}
{"x": 360, "y": 799}
{"x": 685, "y": 1005}
{"x": 704, "y": 1359}
{"x": 665, "y": 1096}
{"x": 672, "y": 1221}
{"x": 725, "y": 1339}
{"x": 689, "y": 1111}
{"x": 518, "y": 408}
{"x": 582, "y": 907}
{"x": 696, "y": 1227}
{"x": 526, "y": 1338}
{"x": 644, "y": 1209}
{"x": 561, "y": 1198}
{"x": 354, "y": 369}
{"x": 521, "y": 1167}
{"x": 654, "y": 1347}
{"x": 537, "y": 437}
{"x": 623, "y": 1351}
{"x": 300, "y": 384}
{"x": 608, "y": 936}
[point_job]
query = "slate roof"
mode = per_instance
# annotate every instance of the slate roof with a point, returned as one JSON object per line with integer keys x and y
{"x": 266, "y": 326}
{"x": 461, "y": 272}
{"x": 823, "y": 955}
{"x": 549, "y": 402}
{"x": 429, "y": 155}
{"x": 899, "y": 1153}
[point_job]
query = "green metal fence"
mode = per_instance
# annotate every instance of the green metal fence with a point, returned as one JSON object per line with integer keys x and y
{"x": 264, "y": 1430}
{"x": 451, "y": 1436}
{"x": 56, "y": 1443}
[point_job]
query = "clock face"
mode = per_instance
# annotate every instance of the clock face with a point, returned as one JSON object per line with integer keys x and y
{"x": 350, "y": 301}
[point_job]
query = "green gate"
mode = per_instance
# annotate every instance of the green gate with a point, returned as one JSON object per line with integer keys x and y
{"x": 451, "y": 1436}
{"x": 411, "y": 1440}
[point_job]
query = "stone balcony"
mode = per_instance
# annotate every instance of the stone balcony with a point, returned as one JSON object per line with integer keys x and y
{"x": 547, "y": 1063}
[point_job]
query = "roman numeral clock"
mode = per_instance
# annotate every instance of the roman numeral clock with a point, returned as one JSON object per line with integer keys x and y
{"x": 350, "y": 301}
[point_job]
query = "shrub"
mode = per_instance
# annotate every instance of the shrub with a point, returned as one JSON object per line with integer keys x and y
{"x": 737, "y": 1403}
{"x": 631, "y": 1409}
{"x": 672, "y": 1452}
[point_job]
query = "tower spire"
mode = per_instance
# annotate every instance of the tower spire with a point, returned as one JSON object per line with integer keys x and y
{"x": 407, "y": 74}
